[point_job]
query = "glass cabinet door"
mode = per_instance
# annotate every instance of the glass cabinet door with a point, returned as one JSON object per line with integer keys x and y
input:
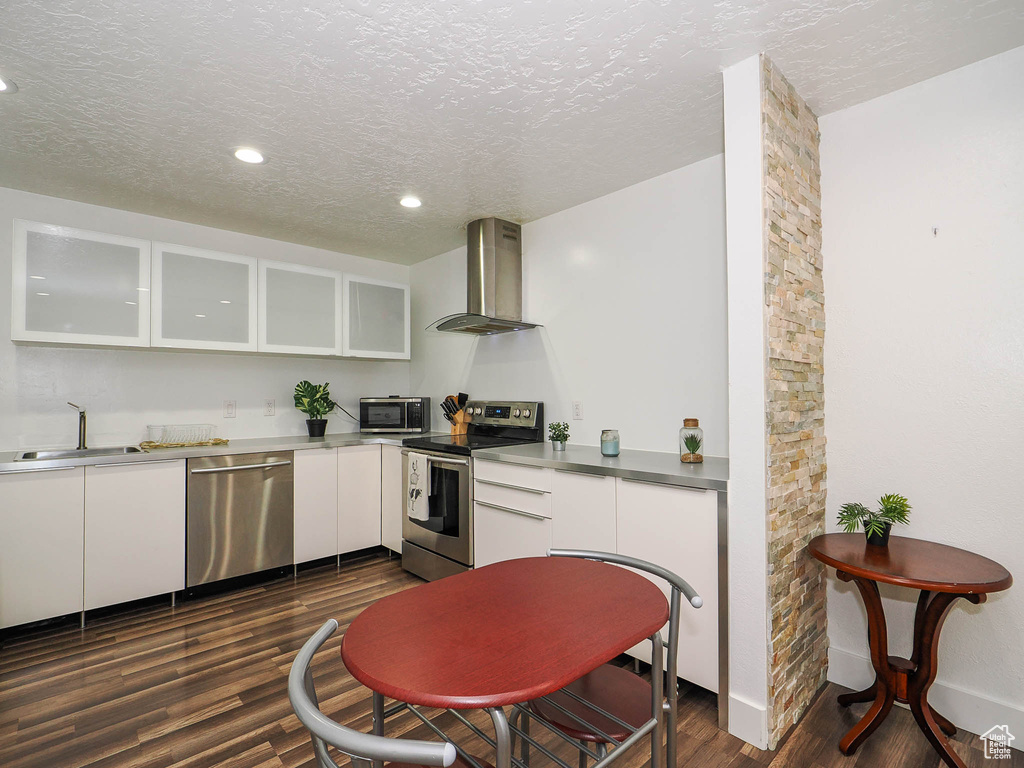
{"x": 300, "y": 309}
{"x": 203, "y": 299}
{"x": 376, "y": 319}
{"x": 79, "y": 287}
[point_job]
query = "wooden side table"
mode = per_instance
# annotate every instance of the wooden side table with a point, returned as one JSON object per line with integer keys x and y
{"x": 943, "y": 574}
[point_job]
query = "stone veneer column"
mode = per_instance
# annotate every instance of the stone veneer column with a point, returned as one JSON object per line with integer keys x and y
{"x": 794, "y": 399}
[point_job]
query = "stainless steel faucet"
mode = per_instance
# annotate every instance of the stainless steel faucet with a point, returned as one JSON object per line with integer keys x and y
{"x": 81, "y": 426}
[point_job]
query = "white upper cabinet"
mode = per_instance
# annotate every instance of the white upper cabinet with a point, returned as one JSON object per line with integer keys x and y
{"x": 79, "y": 287}
{"x": 299, "y": 309}
{"x": 203, "y": 299}
{"x": 376, "y": 319}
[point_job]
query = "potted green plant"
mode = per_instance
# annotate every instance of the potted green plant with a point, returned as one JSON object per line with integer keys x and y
{"x": 892, "y": 508}
{"x": 558, "y": 433}
{"x": 315, "y": 401}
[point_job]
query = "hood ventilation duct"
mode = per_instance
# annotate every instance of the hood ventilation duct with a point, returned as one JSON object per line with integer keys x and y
{"x": 494, "y": 268}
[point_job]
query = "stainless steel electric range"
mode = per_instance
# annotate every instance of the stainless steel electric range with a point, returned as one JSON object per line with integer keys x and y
{"x": 442, "y": 544}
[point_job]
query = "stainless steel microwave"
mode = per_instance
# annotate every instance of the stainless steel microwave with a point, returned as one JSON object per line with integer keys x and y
{"x": 394, "y": 414}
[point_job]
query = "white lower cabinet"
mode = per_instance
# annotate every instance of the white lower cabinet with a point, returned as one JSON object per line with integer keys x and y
{"x": 392, "y": 501}
{"x": 677, "y": 528}
{"x": 316, "y": 504}
{"x": 359, "y": 497}
{"x": 41, "y": 548}
{"x": 582, "y": 511}
{"x": 134, "y": 531}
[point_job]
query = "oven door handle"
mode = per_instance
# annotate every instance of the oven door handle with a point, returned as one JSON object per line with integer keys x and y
{"x": 439, "y": 460}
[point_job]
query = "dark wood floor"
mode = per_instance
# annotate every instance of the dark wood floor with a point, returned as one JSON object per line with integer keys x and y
{"x": 203, "y": 684}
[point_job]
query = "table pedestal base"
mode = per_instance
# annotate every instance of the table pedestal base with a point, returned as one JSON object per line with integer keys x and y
{"x": 903, "y": 680}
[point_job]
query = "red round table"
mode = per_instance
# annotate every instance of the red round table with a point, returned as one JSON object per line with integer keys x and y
{"x": 943, "y": 574}
{"x": 503, "y": 634}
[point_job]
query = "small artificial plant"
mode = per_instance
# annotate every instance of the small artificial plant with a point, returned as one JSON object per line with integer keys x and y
{"x": 558, "y": 431}
{"x": 693, "y": 442}
{"x": 892, "y": 508}
{"x": 314, "y": 400}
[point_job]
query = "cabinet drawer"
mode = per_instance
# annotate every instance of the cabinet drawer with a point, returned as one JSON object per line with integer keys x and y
{"x": 502, "y": 535}
{"x": 527, "y": 500}
{"x": 516, "y": 475}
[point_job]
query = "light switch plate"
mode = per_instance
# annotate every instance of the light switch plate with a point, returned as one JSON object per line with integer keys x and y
{"x": 229, "y": 409}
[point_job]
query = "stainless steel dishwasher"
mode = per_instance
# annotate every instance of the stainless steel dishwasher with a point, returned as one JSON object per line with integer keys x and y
{"x": 239, "y": 515}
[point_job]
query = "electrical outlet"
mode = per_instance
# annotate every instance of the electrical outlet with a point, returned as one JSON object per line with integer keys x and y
{"x": 268, "y": 407}
{"x": 229, "y": 409}
{"x": 577, "y": 410}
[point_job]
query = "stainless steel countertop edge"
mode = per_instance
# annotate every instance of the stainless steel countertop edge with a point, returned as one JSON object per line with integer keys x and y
{"x": 242, "y": 445}
{"x": 645, "y": 466}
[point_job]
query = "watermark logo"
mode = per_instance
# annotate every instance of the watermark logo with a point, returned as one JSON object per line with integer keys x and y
{"x": 997, "y": 742}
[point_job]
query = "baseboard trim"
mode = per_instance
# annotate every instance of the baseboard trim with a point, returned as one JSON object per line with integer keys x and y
{"x": 748, "y": 721}
{"x": 967, "y": 709}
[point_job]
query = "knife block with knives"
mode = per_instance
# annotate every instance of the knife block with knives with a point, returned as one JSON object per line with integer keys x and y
{"x": 454, "y": 410}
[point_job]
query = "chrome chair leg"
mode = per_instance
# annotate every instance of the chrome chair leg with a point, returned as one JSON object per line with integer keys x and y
{"x": 526, "y": 744}
{"x": 513, "y": 723}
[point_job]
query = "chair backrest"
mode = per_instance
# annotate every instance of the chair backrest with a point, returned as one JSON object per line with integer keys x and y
{"x": 678, "y": 584}
{"x": 361, "y": 747}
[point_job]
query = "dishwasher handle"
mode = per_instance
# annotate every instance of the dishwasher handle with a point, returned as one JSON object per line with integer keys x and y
{"x": 265, "y": 465}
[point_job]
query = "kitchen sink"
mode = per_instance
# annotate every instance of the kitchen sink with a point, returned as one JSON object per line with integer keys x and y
{"x": 77, "y": 453}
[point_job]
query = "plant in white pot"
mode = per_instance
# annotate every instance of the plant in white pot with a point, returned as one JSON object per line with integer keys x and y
{"x": 315, "y": 401}
{"x": 558, "y": 433}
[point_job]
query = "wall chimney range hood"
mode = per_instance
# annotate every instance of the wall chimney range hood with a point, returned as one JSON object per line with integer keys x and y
{"x": 494, "y": 268}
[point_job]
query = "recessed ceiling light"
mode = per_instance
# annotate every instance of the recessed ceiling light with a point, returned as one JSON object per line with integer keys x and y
{"x": 42, "y": 294}
{"x": 411, "y": 202}
{"x": 200, "y": 315}
{"x": 37, "y": 277}
{"x": 7, "y": 86}
{"x": 132, "y": 303}
{"x": 224, "y": 301}
{"x": 249, "y": 155}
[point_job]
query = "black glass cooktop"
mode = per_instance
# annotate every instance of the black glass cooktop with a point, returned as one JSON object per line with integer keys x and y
{"x": 461, "y": 444}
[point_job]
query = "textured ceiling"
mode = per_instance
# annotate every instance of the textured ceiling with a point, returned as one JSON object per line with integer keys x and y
{"x": 494, "y": 107}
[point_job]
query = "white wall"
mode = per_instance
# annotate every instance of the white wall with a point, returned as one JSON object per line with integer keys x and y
{"x": 748, "y": 528}
{"x": 123, "y": 390}
{"x": 924, "y": 368}
{"x": 630, "y": 289}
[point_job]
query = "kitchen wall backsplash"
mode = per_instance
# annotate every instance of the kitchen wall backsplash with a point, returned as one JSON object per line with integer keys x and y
{"x": 656, "y": 252}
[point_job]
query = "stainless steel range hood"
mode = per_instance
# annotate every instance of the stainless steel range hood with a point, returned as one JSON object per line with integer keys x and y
{"x": 494, "y": 267}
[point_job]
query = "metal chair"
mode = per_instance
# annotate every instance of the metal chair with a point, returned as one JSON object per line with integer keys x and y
{"x": 365, "y": 749}
{"x": 604, "y": 706}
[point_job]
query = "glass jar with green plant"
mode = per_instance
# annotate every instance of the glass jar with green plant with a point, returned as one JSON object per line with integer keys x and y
{"x": 315, "y": 401}
{"x": 892, "y": 508}
{"x": 691, "y": 441}
{"x": 558, "y": 433}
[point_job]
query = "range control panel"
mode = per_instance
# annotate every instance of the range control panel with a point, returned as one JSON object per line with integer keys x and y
{"x": 502, "y": 413}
